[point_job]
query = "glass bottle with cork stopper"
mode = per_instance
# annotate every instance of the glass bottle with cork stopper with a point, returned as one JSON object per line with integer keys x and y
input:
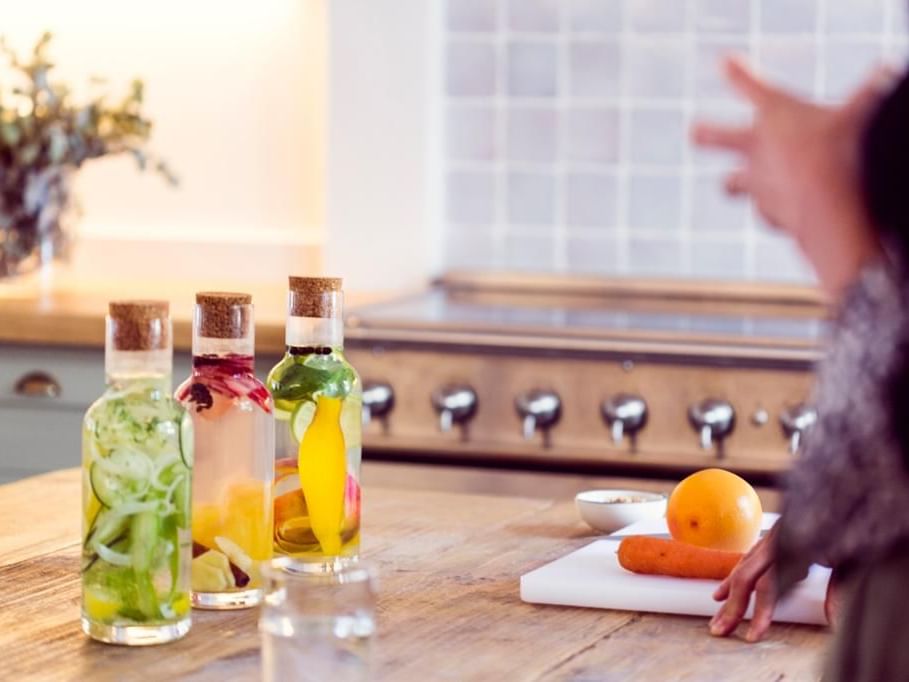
{"x": 318, "y": 412}
{"x": 137, "y": 456}
{"x": 232, "y": 503}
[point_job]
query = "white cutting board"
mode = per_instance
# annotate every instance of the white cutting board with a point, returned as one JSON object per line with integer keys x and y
{"x": 592, "y": 577}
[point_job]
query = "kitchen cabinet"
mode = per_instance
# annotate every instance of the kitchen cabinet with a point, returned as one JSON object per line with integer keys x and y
{"x": 448, "y": 603}
{"x": 44, "y": 393}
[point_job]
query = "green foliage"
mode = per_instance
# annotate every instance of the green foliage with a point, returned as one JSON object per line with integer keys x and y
{"x": 41, "y": 125}
{"x": 45, "y": 134}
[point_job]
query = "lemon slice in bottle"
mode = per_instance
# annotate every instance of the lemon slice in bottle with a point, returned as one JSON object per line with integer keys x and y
{"x": 352, "y": 421}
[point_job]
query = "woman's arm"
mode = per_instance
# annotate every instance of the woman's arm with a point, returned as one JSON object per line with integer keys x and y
{"x": 800, "y": 163}
{"x": 754, "y": 574}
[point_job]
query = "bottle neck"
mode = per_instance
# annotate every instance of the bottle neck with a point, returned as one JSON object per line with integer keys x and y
{"x": 315, "y": 332}
{"x": 122, "y": 367}
{"x": 209, "y": 347}
{"x": 228, "y": 363}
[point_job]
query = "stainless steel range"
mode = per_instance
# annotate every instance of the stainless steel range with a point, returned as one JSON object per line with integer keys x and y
{"x": 590, "y": 376}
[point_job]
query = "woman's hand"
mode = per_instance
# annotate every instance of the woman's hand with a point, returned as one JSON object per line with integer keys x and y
{"x": 753, "y": 574}
{"x": 800, "y": 163}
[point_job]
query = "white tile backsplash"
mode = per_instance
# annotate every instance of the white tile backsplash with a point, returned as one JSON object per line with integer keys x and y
{"x": 718, "y": 260}
{"x": 592, "y": 255}
{"x": 655, "y": 202}
{"x": 657, "y": 16}
{"x": 533, "y": 15}
{"x": 848, "y": 63}
{"x": 532, "y": 69}
{"x": 790, "y": 62}
{"x": 656, "y": 136}
{"x": 709, "y": 82}
{"x": 471, "y": 248}
{"x": 591, "y": 199}
{"x": 566, "y": 126}
{"x": 854, "y": 16}
{"x": 656, "y": 69}
{"x": 723, "y": 16}
{"x": 471, "y": 197}
{"x": 594, "y": 69}
{"x": 777, "y": 258}
{"x": 471, "y": 15}
{"x": 712, "y": 210}
{"x": 655, "y": 257}
{"x": 471, "y": 133}
{"x": 591, "y": 134}
{"x": 595, "y": 16}
{"x": 531, "y": 134}
{"x": 529, "y": 250}
{"x": 531, "y": 198}
{"x": 471, "y": 68}
{"x": 788, "y": 16}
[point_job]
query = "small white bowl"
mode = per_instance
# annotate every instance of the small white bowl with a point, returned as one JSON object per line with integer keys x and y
{"x": 605, "y": 511}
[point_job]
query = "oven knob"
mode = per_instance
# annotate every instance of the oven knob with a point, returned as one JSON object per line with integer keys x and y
{"x": 713, "y": 420}
{"x": 455, "y": 403}
{"x": 797, "y": 421}
{"x": 625, "y": 414}
{"x": 538, "y": 409}
{"x": 378, "y": 399}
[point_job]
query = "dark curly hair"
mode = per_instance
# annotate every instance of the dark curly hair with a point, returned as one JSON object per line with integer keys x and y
{"x": 885, "y": 168}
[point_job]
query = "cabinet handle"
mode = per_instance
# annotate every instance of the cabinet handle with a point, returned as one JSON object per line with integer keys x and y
{"x": 38, "y": 384}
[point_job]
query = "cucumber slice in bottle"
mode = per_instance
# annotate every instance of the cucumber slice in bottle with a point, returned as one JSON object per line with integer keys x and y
{"x": 186, "y": 440}
{"x": 143, "y": 540}
{"x": 122, "y": 477}
{"x": 302, "y": 418}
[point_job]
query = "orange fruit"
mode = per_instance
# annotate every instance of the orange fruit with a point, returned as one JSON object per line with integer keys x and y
{"x": 716, "y": 509}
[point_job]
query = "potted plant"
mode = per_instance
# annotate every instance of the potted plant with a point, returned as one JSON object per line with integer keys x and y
{"x": 45, "y": 136}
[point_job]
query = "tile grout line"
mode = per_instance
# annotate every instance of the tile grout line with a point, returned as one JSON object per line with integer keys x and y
{"x": 622, "y": 263}
{"x": 750, "y": 242}
{"x": 560, "y": 233}
{"x": 500, "y": 188}
{"x": 686, "y": 175}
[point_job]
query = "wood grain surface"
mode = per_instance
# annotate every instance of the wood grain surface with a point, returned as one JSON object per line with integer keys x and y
{"x": 73, "y": 313}
{"x": 448, "y": 610}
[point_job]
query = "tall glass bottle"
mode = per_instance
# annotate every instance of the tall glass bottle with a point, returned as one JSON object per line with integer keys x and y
{"x": 232, "y": 502}
{"x": 137, "y": 454}
{"x": 318, "y": 411}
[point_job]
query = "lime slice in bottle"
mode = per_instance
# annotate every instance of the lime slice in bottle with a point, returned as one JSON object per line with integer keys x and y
{"x": 284, "y": 409}
{"x": 100, "y": 603}
{"x": 352, "y": 421}
{"x": 302, "y": 418}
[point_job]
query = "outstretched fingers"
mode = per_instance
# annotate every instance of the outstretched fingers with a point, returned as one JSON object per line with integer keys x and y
{"x": 733, "y": 609}
{"x": 737, "y": 183}
{"x": 734, "y": 138}
{"x": 764, "y": 604}
{"x": 747, "y": 83}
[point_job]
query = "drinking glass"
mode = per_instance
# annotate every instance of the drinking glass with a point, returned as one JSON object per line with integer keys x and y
{"x": 317, "y": 621}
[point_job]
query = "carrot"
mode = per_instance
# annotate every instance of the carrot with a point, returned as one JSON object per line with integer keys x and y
{"x": 656, "y": 556}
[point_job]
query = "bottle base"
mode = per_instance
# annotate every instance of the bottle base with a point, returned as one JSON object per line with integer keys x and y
{"x": 135, "y": 635}
{"x": 224, "y": 601}
{"x": 321, "y": 563}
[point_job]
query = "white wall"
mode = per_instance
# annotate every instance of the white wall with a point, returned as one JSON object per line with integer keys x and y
{"x": 384, "y": 229}
{"x": 227, "y": 87}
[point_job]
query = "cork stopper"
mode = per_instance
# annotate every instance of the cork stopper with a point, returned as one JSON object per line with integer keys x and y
{"x": 315, "y": 296}
{"x": 140, "y": 325}
{"x": 221, "y": 315}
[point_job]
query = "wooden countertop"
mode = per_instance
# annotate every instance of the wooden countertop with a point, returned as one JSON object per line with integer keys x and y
{"x": 72, "y": 313}
{"x": 448, "y": 608}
